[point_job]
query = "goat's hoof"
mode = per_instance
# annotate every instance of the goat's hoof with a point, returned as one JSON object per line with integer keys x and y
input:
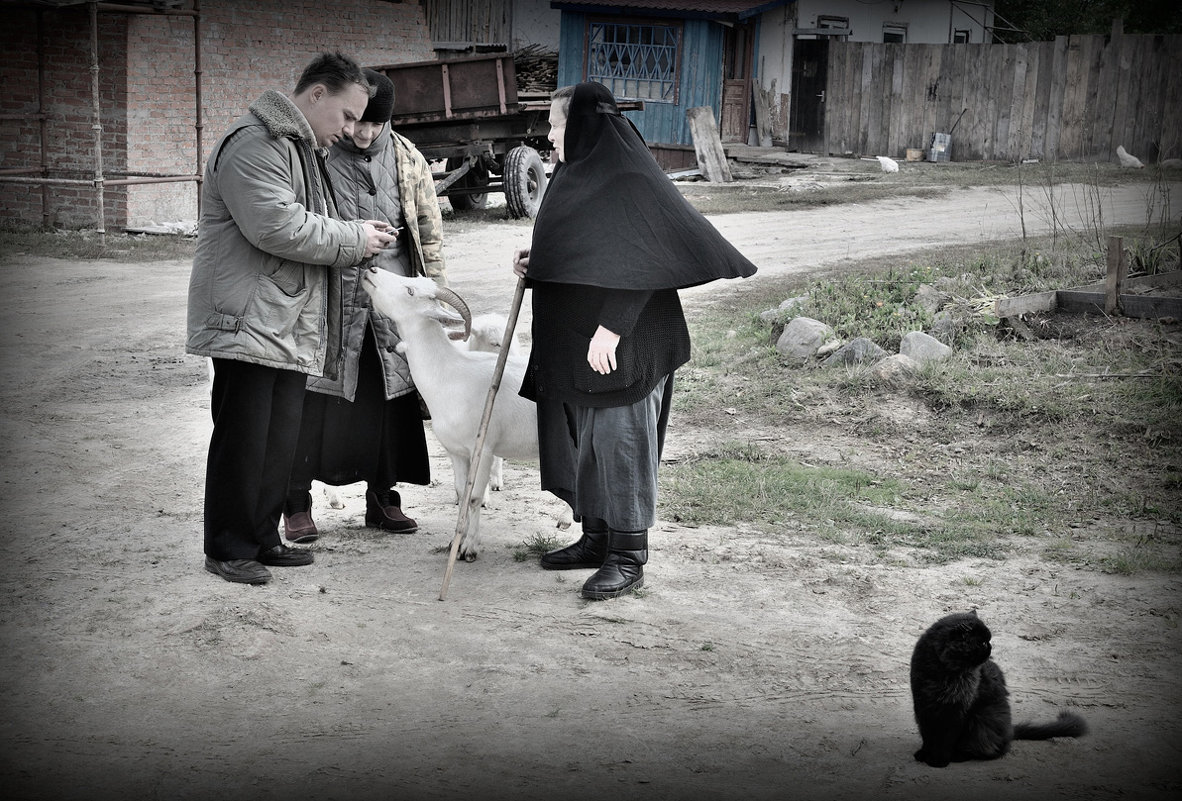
{"x": 469, "y": 557}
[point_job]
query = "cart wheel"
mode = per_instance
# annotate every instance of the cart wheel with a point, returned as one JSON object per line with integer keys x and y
{"x": 525, "y": 181}
{"x": 475, "y": 177}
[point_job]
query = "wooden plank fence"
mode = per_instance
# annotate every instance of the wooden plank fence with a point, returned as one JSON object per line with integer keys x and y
{"x": 1073, "y": 99}
{"x": 460, "y": 22}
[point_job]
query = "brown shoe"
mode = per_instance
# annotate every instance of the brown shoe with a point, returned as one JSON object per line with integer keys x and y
{"x": 300, "y": 528}
{"x": 298, "y": 525}
{"x": 386, "y": 513}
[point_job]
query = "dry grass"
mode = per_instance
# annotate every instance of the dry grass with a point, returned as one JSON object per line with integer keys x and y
{"x": 1008, "y": 446}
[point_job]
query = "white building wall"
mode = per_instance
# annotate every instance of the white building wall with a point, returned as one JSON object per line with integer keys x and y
{"x": 773, "y": 65}
{"x": 926, "y": 21}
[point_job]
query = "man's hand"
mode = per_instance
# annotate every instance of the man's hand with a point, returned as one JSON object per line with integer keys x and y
{"x": 376, "y": 240}
{"x": 602, "y": 353}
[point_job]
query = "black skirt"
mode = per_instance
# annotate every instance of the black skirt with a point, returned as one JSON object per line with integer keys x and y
{"x": 372, "y": 439}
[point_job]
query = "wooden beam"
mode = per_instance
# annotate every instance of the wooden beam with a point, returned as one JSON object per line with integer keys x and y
{"x": 1140, "y": 306}
{"x": 707, "y": 145}
{"x": 1094, "y": 297}
{"x": 1026, "y": 304}
{"x": 763, "y": 124}
{"x": 1118, "y": 270}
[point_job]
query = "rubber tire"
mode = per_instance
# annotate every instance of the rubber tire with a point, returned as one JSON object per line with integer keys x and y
{"x": 525, "y": 181}
{"x": 477, "y": 176}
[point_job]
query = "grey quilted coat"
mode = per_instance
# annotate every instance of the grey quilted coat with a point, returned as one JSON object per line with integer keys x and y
{"x": 260, "y": 290}
{"x": 390, "y": 181}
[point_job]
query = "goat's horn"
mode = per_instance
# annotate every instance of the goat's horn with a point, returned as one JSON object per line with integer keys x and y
{"x": 456, "y": 302}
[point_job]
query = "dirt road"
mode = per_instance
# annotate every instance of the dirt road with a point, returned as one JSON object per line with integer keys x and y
{"x": 753, "y": 666}
{"x": 803, "y": 240}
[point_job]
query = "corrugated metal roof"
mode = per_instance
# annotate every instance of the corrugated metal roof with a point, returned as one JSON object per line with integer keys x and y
{"x": 732, "y": 9}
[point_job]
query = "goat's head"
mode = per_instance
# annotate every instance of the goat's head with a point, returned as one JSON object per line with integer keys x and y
{"x": 399, "y": 297}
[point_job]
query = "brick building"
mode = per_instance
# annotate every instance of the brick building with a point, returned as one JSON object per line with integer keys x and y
{"x": 147, "y": 92}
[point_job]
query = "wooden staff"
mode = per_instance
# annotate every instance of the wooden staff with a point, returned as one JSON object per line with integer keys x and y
{"x": 481, "y": 434}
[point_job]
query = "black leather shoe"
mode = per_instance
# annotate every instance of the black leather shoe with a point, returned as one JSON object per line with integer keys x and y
{"x": 240, "y": 571}
{"x": 285, "y": 556}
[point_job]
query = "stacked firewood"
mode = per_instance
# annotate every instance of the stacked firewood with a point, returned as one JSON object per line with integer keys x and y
{"x": 536, "y": 68}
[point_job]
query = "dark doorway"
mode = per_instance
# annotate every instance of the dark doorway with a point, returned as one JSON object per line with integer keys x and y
{"x": 810, "y": 67}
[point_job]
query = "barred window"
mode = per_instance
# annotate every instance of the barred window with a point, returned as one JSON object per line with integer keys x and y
{"x": 636, "y": 62}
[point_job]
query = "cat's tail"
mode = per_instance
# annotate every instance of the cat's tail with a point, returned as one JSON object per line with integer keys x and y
{"x": 1069, "y": 724}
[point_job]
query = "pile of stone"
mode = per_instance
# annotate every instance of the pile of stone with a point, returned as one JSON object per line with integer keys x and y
{"x": 807, "y": 341}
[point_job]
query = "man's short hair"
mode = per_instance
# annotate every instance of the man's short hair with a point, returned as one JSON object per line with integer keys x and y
{"x": 334, "y": 70}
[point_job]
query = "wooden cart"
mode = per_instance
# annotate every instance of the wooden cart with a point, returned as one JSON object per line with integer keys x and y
{"x": 465, "y": 113}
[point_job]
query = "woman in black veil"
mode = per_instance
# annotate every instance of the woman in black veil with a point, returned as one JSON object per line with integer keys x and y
{"x": 613, "y": 242}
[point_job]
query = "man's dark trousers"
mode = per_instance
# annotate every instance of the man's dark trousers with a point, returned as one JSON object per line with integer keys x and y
{"x": 256, "y": 425}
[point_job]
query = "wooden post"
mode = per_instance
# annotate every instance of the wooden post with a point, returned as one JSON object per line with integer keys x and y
{"x": 1118, "y": 269}
{"x": 707, "y": 145}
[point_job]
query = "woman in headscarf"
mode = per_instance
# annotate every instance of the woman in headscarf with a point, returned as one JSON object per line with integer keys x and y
{"x": 367, "y": 424}
{"x": 613, "y": 242}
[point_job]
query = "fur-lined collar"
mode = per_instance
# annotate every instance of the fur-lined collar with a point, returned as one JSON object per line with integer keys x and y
{"x": 282, "y": 117}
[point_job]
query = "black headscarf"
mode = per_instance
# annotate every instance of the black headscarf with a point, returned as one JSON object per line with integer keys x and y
{"x": 611, "y": 218}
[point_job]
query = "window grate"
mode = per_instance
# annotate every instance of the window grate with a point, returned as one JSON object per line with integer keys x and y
{"x": 636, "y": 62}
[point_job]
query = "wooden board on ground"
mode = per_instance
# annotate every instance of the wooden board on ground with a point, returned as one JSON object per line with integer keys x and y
{"x": 1134, "y": 300}
{"x": 707, "y": 145}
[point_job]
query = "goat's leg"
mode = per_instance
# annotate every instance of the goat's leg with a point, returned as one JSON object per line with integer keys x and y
{"x": 459, "y": 471}
{"x": 470, "y": 544}
{"x": 459, "y": 466}
{"x": 496, "y": 477}
{"x": 331, "y": 494}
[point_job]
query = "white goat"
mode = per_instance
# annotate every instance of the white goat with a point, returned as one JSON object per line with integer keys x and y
{"x": 488, "y": 333}
{"x": 454, "y": 384}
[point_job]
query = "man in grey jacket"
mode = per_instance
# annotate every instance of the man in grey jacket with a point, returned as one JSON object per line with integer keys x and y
{"x": 262, "y": 305}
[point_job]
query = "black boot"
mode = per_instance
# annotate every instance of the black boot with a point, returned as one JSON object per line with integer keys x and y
{"x": 622, "y": 571}
{"x": 588, "y": 551}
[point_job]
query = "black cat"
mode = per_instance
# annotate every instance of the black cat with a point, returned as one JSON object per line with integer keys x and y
{"x": 960, "y": 697}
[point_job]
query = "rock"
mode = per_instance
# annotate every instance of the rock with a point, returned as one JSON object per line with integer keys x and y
{"x": 923, "y": 348}
{"x": 930, "y": 298}
{"x": 859, "y": 351}
{"x": 802, "y": 337}
{"x": 771, "y": 315}
{"x": 945, "y": 326}
{"x": 894, "y": 368}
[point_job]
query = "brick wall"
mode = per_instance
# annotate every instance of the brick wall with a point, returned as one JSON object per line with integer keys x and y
{"x": 148, "y": 97}
{"x": 67, "y": 104}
